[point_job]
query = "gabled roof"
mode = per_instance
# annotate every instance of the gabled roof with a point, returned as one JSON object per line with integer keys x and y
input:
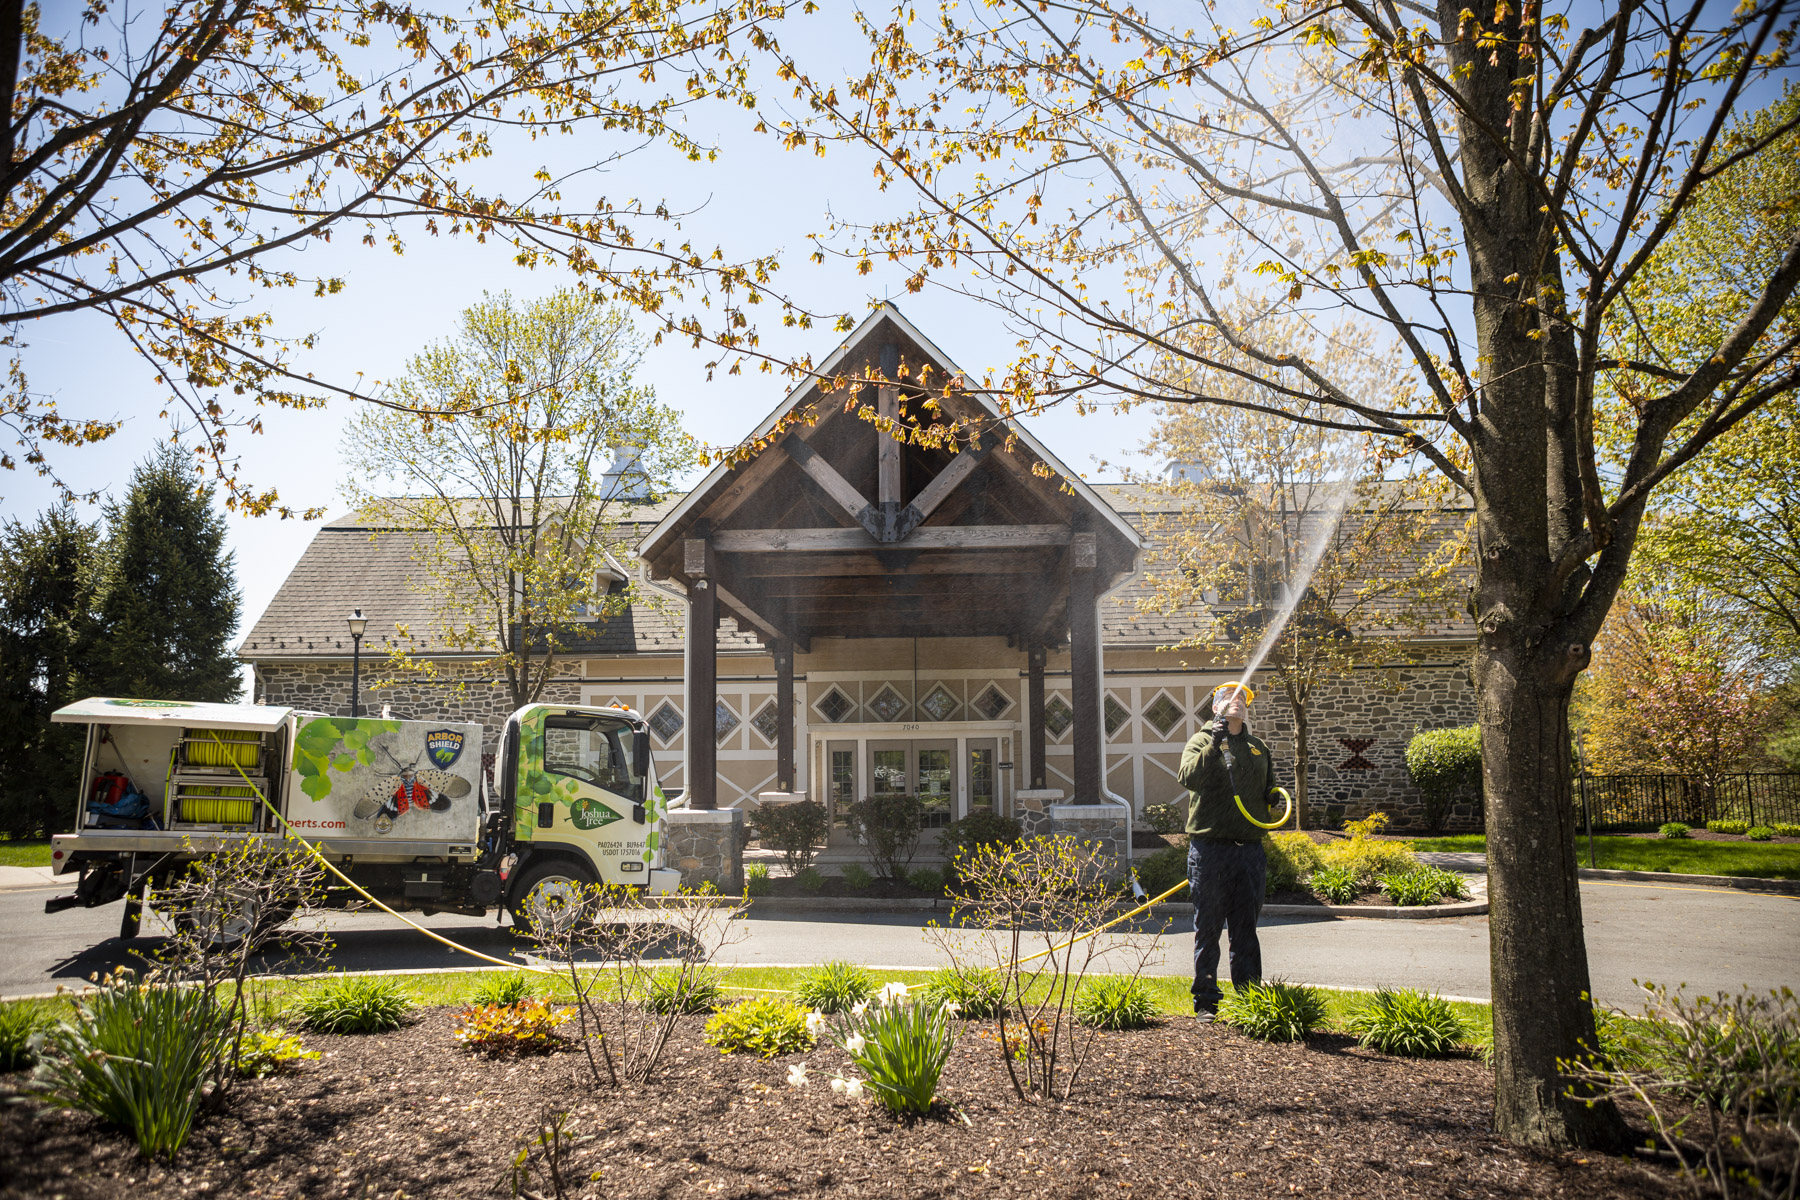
{"x": 807, "y": 392}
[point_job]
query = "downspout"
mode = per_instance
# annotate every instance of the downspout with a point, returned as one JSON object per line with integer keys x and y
{"x": 687, "y": 764}
{"x": 1100, "y": 666}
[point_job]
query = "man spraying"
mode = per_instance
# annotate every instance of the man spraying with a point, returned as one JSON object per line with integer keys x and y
{"x": 1230, "y": 778}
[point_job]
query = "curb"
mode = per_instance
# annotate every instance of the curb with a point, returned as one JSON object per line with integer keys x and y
{"x": 1423, "y": 912}
{"x": 799, "y": 904}
{"x": 1743, "y": 883}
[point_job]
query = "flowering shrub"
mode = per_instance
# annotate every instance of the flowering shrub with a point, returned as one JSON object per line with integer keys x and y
{"x": 766, "y": 1027}
{"x": 1368, "y": 858}
{"x": 271, "y": 1052}
{"x": 900, "y": 1044}
{"x": 528, "y": 1027}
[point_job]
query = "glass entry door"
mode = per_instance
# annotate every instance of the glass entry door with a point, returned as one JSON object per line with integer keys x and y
{"x": 984, "y": 781}
{"x": 926, "y": 769}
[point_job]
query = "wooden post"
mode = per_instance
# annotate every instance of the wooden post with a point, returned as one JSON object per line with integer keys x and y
{"x": 703, "y": 670}
{"x": 1035, "y": 654}
{"x": 887, "y": 455}
{"x": 783, "y": 651}
{"x": 1084, "y": 669}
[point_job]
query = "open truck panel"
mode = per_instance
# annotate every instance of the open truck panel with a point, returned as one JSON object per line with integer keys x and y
{"x": 402, "y": 807}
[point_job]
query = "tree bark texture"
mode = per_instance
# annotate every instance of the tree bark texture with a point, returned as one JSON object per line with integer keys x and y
{"x": 1530, "y": 643}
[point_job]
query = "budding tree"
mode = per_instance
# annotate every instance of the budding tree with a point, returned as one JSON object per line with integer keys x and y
{"x": 1484, "y": 182}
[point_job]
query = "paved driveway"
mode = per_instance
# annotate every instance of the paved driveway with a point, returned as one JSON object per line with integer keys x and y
{"x": 1711, "y": 939}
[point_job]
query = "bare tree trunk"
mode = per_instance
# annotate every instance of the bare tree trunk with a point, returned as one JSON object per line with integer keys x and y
{"x": 1302, "y": 769}
{"x": 1537, "y": 951}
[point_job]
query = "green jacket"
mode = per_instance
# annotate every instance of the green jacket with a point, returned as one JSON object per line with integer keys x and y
{"x": 1212, "y": 811}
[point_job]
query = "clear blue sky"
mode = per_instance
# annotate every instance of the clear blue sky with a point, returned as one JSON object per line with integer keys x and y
{"x": 755, "y": 199}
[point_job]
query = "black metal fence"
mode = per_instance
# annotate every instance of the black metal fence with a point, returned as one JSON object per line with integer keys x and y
{"x": 1646, "y": 801}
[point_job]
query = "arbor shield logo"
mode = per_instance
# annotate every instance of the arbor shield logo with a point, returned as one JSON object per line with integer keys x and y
{"x": 444, "y": 746}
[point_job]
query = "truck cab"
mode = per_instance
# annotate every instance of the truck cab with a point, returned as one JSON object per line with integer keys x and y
{"x": 404, "y": 808}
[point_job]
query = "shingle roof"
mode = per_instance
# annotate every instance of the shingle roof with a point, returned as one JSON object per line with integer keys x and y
{"x": 352, "y": 564}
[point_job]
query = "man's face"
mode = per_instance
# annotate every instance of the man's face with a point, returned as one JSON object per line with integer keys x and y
{"x": 1229, "y": 704}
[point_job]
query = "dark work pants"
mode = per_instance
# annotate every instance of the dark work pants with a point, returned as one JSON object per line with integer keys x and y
{"x": 1225, "y": 881}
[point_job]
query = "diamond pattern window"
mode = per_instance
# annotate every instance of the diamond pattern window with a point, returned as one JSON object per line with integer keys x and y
{"x": 767, "y": 722}
{"x": 835, "y": 707}
{"x": 888, "y": 705}
{"x": 939, "y": 704}
{"x": 728, "y": 721}
{"x": 992, "y": 703}
{"x": 1115, "y": 714}
{"x": 1058, "y": 716}
{"x": 1163, "y": 714}
{"x": 666, "y": 722}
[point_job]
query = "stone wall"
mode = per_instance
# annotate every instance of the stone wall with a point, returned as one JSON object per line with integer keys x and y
{"x": 457, "y": 694}
{"x": 1106, "y": 827}
{"x": 1358, "y": 726}
{"x": 706, "y": 846}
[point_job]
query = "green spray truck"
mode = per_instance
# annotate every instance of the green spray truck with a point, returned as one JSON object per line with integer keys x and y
{"x": 405, "y": 808}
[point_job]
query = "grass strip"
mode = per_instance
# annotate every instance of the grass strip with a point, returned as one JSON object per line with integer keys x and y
{"x": 24, "y": 852}
{"x": 1755, "y": 860}
{"x": 1169, "y": 994}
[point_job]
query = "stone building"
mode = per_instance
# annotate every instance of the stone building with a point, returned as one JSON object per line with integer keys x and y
{"x": 842, "y": 613}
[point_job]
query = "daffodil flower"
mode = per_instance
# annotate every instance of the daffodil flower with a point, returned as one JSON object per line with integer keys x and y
{"x": 856, "y": 1043}
{"x": 797, "y": 1075}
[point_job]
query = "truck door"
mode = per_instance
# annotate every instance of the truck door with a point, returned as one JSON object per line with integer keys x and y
{"x": 579, "y": 786}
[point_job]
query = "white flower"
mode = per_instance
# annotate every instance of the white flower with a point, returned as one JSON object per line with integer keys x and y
{"x": 862, "y": 1007}
{"x": 797, "y": 1075}
{"x": 815, "y": 1022}
{"x": 838, "y": 1085}
{"x": 952, "y": 1008}
{"x": 892, "y": 993}
{"x": 853, "y": 1089}
{"x": 855, "y": 1044}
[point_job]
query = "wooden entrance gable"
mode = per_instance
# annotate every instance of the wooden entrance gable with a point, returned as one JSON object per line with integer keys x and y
{"x": 839, "y": 528}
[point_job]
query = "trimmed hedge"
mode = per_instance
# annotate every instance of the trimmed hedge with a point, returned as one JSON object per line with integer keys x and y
{"x": 1441, "y": 762}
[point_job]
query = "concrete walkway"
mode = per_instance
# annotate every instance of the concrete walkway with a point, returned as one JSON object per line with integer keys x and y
{"x": 31, "y": 877}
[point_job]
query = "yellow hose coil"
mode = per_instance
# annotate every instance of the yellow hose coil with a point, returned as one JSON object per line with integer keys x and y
{"x": 1275, "y": 824}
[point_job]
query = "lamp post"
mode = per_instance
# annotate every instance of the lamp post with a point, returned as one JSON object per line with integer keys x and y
{"x": 358, "y": 623}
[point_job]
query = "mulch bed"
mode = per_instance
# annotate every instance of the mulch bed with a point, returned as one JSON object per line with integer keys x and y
{"x": 1174, "y": 1110}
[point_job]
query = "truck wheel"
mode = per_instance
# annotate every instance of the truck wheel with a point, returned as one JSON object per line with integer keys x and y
{"x": 546, "y": 886}
{"x": 223, "y": 925}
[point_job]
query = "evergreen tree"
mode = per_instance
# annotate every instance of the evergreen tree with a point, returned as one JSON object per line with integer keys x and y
{"x": 169, "y": 600}
{"x": 47, "y": 579}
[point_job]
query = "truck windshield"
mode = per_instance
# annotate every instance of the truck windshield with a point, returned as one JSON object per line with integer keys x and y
{"x": 590, "y": 749}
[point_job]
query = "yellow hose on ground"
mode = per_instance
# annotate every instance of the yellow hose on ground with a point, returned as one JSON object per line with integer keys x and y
{"x": 1090, "y": 933}
{"x": 288, "y": 831}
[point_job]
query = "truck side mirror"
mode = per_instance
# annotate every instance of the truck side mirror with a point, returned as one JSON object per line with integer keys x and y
{"x": 640, "y": 784}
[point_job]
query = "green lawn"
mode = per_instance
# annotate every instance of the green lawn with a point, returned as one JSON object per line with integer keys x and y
{"x": 35, "y": 853}
{"x": 1685, "y": 857}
